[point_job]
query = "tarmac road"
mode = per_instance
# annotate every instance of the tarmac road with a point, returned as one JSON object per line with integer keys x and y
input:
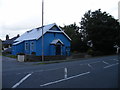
{"x": 99, "y": 72}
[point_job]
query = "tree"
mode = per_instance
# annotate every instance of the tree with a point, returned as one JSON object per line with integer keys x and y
{"x": 72, "y": 31}
{"x": 102, "y": 29}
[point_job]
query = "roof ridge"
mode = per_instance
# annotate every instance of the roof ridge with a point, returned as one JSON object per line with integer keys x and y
{"x": 35, "y": 34}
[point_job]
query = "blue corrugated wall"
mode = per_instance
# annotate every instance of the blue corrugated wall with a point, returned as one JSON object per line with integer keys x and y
{"x": 19, "y": 48}
{"x": 49, "y": 49}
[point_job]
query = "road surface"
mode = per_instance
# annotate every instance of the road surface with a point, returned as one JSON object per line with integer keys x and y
{"x": 101, "y": 72}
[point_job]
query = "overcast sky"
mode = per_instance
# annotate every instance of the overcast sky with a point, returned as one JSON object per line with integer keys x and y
{"x": 18, "y": 16}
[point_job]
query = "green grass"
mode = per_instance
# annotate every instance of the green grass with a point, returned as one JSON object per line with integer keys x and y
{"x": 11, "y": 56}
{"x": 49, "y": 62}
{"x": 60, "y": 61}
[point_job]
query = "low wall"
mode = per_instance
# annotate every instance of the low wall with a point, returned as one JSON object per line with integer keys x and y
{"x": 31, "y": 58}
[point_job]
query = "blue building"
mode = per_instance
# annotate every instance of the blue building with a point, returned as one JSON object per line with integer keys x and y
{"x": 56, "y": 42}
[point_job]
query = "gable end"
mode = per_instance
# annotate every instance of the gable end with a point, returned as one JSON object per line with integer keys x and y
{"x": 55, "y": 28}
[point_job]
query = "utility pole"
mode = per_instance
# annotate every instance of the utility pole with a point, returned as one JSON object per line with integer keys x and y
{"x": 119, "y": 11}
{"x": 119, "y": 30}
{"x": 42, "y": 30}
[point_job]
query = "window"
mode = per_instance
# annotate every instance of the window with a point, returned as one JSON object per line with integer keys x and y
{"x": 26, "y": 46}
{"x": 32, "y": 46}
{"x": 67, "y": 49}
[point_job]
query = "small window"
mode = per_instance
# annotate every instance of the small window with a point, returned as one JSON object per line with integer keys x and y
{"x": 26, "y": 46}
{"x": 32, "y": 46}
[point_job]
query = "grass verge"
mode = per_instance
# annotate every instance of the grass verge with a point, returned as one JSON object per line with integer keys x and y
{"x": 11, "y": 56}
{"x": 70, "y": 60}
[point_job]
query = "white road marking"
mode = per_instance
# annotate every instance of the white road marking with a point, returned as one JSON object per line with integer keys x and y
{"x": 111, "y": 65}
{"x": 95, "y": 62}
{"x": 18, "y": 73}
{"x": 40, "y": 71}
{"x": 64, "y": 79}
{"x": 17, "y": 84}
{"x": 53, "y": 69}
{"x": 90, "y": 66}
{"x": 82, "y": 64}
{"x": 65, "y": 71}
{"x": 115, "y": 59}
{"x": 105, "y": 62}
{"x": 90, "y": 63}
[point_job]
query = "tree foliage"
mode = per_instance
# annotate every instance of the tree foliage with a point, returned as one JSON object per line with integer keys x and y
{"x": 102, "y": 29}
{"x": 72, "y": 31}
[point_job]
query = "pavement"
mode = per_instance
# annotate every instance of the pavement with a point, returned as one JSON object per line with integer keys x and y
{"x": 100, "y": 72}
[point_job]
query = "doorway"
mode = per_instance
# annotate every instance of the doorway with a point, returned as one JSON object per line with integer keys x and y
{"x": 58, "y": 49}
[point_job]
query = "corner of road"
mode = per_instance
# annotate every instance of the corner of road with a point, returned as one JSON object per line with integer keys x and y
{"x": 56, "y": 61}
{"x": 68, "y": 60}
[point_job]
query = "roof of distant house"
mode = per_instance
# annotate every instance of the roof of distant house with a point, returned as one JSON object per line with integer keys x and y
{"x": 8, "y": 50}
{"x": 36, "y": 33}
{"x": 10, "y": 41}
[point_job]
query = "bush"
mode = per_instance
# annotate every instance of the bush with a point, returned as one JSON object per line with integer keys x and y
{"x": 75, "y": 52}
{"x": 21, "y": 54}
{"x": 95, "y": 53}
{"x": 90, "y": 52}
{"x": 12, "y": 56}
{"x": 33, "y": 53}
{"x": 98, "y": 53}
{"x": 6, "y": 53}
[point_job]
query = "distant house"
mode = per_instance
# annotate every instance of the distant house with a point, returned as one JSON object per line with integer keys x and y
{"x": 56, "y": 42}
{"x": 7, "y": 44}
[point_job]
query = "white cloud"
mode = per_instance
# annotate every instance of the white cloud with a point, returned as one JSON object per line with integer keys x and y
{"x": 69, "y": 11}
{"x": 21, "y": 11}
{"x": 17, "y": 16}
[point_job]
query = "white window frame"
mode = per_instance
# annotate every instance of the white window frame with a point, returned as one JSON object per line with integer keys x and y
{"x": 32, "y": 46}
{"x": 26, "y": 45}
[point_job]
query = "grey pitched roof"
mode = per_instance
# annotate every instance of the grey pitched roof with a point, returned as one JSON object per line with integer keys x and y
{"x": 8, "y": 50}
{"x": 10, "y": 41}
{"x": 37, "y": 33}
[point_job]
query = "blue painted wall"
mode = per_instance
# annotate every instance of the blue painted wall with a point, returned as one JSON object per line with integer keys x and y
{"x": 19, "y": 48}
{"x": 31, "y": 48}
{"x": 49, "y": 49}
{"x": 66, "y": 42}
